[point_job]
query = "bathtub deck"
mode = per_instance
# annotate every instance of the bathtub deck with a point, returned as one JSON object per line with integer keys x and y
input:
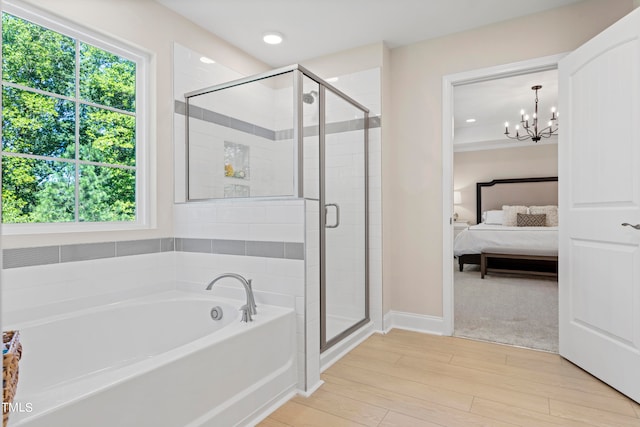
{"x": 411, "y": 379}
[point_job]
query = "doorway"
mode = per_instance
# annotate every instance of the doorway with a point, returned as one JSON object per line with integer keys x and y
{"x": 449, "y": 83}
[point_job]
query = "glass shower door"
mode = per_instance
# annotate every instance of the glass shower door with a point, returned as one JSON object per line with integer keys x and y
{"x": 344, "y": 278}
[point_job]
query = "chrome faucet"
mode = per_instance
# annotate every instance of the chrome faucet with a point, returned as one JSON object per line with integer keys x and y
{"x": 249, "y": 308}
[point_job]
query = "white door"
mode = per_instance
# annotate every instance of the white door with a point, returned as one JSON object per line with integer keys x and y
{"x": 599, "y": 169}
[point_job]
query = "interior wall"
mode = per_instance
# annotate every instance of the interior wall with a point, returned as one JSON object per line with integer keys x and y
{"x": 470, "y": 167}
{"x": 153, "y": 28}
{"x": 413, "y": 209}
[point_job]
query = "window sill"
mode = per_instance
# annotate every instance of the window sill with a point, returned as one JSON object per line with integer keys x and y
{"x": 72, "y": 227}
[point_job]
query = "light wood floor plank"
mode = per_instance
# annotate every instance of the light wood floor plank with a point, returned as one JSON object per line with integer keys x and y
{"x": 398, "y": 350}
{"x": 583, "y": 383}
{"x": 407, "y": 405}
{"x": 344, "y": 407}
{"x": 295, "y": 414}
{"x": 411, "y": 379}
{"x": 560, "y": 391}
{"x": 270, "y": 422}
{"x": 446, "y": 345}
{"x": 596, "y": 417}
{"x": 453, "y": 399}
{"x": 394, "y": 419}
{"x": 444, "y": 377}
{"x": 556, "y": 367}
{"x": 518, "y": 416}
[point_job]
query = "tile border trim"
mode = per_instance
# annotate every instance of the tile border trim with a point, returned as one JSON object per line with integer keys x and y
{"x": 45, "y": 255}
{"x": 273, "y": 135}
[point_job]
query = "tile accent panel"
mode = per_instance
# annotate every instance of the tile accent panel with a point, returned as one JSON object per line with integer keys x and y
{"x": 28, "y": 257}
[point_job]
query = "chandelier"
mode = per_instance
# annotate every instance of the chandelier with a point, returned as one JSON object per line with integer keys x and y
{"x": 531, "y": 129}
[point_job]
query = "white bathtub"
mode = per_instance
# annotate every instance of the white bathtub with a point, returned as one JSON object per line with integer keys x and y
{"x": 155, "y": 361}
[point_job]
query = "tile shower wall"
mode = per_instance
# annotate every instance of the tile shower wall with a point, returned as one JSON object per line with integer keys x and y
{"x": 248, "y": 117}
{"x": 241, "y": 121}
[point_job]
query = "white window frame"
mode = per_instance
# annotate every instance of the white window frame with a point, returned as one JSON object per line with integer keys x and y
{"x": 142, "y": 61}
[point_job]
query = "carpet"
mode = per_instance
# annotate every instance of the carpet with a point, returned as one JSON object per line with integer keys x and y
{"x": 506, "y": 309}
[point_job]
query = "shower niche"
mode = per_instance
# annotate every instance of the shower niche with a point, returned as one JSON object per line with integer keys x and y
{"x": 289, "y": 134}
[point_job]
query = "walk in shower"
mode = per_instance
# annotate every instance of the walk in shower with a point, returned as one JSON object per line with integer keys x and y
{"x": 289, "y": 134}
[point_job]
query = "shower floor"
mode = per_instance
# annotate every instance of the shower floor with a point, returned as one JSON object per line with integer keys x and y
{"x": 338, "y": 324}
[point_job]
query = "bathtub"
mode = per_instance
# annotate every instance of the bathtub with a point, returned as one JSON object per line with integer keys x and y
{"x": 160, "y": 360}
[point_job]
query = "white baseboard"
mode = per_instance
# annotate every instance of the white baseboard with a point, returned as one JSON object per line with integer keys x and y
{"x": 413, "y": 322}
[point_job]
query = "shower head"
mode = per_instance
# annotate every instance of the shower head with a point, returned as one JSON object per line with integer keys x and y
{"x": 310, "y": 97}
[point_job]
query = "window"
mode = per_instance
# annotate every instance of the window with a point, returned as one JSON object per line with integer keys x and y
{"x": 71, "y": 125}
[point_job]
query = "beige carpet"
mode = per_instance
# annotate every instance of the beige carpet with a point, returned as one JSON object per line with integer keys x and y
{"x": 506, "y": 309}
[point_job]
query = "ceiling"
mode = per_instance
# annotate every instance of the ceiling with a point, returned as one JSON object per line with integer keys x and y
{"x": 313, "y": 28}
{"x": 492, "y": 103}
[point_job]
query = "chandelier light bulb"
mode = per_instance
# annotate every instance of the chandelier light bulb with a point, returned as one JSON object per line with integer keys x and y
{"x": 553, "y": 109}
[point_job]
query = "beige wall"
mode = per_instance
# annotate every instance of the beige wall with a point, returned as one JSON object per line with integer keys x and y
{"x": 152, "y": 28}
{"x": 412, "y": 209}
{"x": 348, "y": 61}
{"x": 470, "y": 167}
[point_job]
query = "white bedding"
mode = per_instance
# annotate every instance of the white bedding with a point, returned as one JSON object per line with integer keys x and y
{"x": 477, "y": 237}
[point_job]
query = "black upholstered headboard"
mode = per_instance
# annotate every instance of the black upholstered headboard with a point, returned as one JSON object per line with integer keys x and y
{"x": 515, "y": 191}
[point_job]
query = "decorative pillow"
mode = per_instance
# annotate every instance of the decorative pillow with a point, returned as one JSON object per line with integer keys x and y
{"x": 510, "y": 213}
{"x": 531, "y": 220}
{"x": 550, "y": 211}
{"x": 494, "y": 217}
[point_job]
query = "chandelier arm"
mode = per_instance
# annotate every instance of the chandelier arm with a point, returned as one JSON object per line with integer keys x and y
{"x": 519, "y": 137}
{"x": 531, "y": 129}
{"x": 546, "y": 135}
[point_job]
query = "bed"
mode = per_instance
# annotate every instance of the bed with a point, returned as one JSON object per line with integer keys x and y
{"x": 490, "y": 234}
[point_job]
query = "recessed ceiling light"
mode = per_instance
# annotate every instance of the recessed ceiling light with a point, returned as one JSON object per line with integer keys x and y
{"x": 332, "y": 79}
{"x": 471, "y": 120}
{"x": 272, "y": 37}
{"x": 207, "y": 60}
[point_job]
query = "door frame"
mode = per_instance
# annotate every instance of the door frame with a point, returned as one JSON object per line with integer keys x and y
{"x": 448, "y": 82}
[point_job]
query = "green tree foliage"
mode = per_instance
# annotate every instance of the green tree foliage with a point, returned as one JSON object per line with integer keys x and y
{"x": 43, "y": 189}
{"x": 107, "y": 79}
{"x": 36, "y": 57}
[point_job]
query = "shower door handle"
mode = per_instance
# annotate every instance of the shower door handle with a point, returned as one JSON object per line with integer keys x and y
{"x": 326, "y": 209}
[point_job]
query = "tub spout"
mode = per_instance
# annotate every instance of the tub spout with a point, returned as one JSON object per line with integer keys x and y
{"x": 249, "y": 308}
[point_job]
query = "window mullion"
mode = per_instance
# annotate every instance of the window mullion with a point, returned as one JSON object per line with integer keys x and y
{"x": 77, "y": 147}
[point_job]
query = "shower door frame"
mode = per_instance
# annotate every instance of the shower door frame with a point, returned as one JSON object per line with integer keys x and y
{"x": 298, "y": 136}
{"x": 324, "y": 343}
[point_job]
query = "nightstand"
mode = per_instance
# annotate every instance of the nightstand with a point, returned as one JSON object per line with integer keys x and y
{"x": 458, "y": 226}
